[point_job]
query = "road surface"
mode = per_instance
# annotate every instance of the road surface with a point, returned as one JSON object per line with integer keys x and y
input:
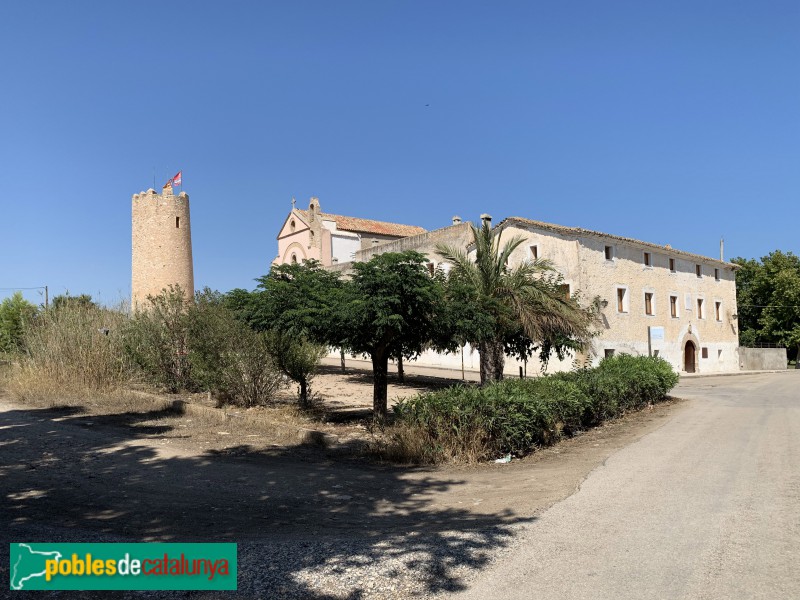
{"x": 707, "y": 506}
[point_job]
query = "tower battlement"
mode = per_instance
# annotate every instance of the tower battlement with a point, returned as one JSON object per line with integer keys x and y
{"x": 161, "y": 244}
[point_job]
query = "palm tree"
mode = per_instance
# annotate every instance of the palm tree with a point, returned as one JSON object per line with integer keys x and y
{"x": 508, "y": 300}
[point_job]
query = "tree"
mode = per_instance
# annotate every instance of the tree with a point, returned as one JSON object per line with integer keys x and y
{"x": 15, "y": 314}
{"x": 389, "y": 308}
{"x": 297, "y": 358}
{"x": 63, "y": 300}
{"x": 296, "y": 308}
{"x": 518, "y": 309}
{"x": 228, "y": 358}
{"x": 768, "y": 300}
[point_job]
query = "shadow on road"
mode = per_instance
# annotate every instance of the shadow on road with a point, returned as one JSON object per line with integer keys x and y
{"x": 297, "y": 514}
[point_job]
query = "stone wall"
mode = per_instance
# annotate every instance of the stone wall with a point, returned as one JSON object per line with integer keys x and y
{"x": 762, "y": 359}
{"x": 161, "y": 248}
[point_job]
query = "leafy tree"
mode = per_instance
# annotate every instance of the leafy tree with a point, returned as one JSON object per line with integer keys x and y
{"x": 388, "y": 308}
{"x": 516, "y": 309}
{"x": 298, "y": 299}
{"x": 297, "y": 358}
{"x": 64, "y": 300}
{"x": 16, "y": 314}
{"x": 768, "y": 298}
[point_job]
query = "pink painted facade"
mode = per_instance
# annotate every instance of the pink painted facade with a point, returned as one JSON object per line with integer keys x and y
{"x": 332, "y": 239}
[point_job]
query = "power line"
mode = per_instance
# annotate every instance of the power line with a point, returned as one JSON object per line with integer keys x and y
{"x": 5, "y": 289}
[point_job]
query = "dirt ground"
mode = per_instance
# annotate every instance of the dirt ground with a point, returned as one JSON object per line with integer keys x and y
{"x": 154, "y": 476}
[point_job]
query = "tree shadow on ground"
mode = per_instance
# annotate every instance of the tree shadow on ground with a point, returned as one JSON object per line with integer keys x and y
{"x": 307, "y": 526}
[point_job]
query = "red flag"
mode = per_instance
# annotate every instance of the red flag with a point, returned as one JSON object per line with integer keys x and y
{"x": 177, "y": 179}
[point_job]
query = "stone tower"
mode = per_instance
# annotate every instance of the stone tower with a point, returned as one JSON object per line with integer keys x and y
{"x": 161, "y": 244}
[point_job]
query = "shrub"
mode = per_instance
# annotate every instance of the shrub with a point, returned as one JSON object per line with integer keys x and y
{"x": 297, "y": 358}
{"x": 16, "y": 314}
{"x": 465, "y": 424}
{"x": 227, "y": 358}
{"x": 72, "y": 348}
{"x": 156, "y": 340}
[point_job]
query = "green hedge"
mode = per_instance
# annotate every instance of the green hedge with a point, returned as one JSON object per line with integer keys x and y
{"x": 515, "y": 416}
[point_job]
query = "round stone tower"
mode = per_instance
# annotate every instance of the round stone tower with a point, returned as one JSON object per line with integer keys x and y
{"x": 161, "y": 244}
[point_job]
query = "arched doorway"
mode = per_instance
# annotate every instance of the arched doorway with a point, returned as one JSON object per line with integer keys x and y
{"x": 689, "y": 355}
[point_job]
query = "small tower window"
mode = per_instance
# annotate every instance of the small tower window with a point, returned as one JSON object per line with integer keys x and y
{"x": 292, "y": 225}
{"x": 178, "y": 222}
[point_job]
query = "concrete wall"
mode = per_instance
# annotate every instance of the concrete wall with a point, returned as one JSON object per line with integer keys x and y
{"x": 161, "y": 244}
{"x": 762, "y": 359}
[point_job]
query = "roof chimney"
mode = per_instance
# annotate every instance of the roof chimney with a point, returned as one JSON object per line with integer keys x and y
{"x": 456, "y": 220}
{"x": 486, "y": 219}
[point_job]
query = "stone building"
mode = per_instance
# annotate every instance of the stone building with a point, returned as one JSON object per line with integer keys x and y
{"x": 656, "y": 299}
{"x": 331, "y": 239}
{"x": 161, "y": 244}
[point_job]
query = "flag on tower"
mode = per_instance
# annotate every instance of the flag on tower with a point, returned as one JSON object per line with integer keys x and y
{"x": 177, "y": 179}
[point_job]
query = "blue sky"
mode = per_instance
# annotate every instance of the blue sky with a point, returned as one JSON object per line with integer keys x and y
{"x": 673, "y": 122}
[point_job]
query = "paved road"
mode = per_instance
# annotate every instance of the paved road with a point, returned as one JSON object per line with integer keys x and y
{"x": 707, "y": 506}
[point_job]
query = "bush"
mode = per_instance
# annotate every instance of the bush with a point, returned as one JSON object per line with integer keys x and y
{"x": 228, "y": 358}
{"x": 156, "y": 340}
{"x": 75, "y": 347}
{"x": 16, "y": 314}
{"x": 466, "y": 424}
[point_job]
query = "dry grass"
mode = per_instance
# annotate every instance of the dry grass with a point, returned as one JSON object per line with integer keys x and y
{"x": 406, "y": 444}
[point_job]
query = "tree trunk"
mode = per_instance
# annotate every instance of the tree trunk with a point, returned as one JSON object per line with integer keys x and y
{"x": 304, "y": 394}
{"x": 380, "y": 384}
{"x": 401, "y": 374}
{"x": 341, "y": 357}
{"x": 797, "y": 358}
{"x": 492, "y": 360}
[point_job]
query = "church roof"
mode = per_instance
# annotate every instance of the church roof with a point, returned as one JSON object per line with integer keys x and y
{"x": 366, "y": 225}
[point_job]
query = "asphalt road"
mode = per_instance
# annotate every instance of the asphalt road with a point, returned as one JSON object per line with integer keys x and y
{"x": 707, "y": 506}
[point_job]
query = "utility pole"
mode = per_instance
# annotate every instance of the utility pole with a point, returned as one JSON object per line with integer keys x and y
{"x": 46, "y": 298}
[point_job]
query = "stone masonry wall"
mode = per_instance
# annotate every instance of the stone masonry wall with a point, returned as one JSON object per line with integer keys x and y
{"x": 161, "y": 244}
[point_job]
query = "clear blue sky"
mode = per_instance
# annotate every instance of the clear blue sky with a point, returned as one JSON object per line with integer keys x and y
{"x": 677, "y": 123}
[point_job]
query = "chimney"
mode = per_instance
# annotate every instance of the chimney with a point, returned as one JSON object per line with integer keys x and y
{"x": 456, "y": 220}
{"x": 722, "y": 249}
{"x": 486, "y": 219}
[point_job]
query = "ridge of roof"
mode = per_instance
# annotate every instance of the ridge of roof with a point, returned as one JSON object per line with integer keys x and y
{"x": 368, "y": 225}
{"x": 580, "y": 231}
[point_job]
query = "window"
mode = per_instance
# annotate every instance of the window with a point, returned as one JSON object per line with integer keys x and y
{"x": 699, "y": 308}
{"x": 622, "y": 300}
{"x": 609, "y": 352}
{"x": 704, "y": 352}
{"x": 647, "y": 260}
{"x": 672, "y": 265}
{"x": 718, "y": 310}
{"x": 648, "y": 303}
{"x": 292, "y": 225}
{"x": 698, "y": 270}
{"x": 564, "y": 289}
{"x": 178, "y": 222}
{"x": 609, "y": 252}
{"x": 716, "y": 274}
{"x": 311, "y": 234}
{"x": 534, "y": 252}
{"x": 294, "y": 259}
{"x": 673, "y": 307}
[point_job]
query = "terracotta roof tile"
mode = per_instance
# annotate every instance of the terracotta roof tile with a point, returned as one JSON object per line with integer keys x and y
{"x": 580, "y": 231}
{"x": 368, "y": 225}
